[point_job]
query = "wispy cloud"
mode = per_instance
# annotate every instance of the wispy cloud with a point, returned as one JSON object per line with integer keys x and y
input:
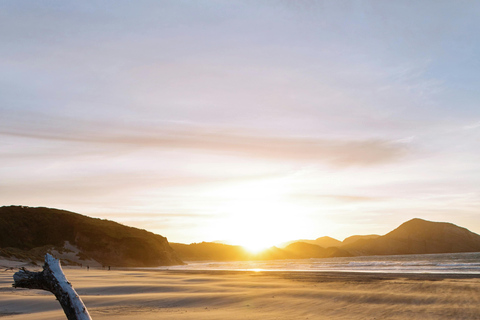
{"x": 335, "y": 152}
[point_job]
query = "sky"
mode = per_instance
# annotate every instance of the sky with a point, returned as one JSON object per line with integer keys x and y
{"x": 249, "y": 122}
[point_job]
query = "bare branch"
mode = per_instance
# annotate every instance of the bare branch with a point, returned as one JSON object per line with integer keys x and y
{"x": 53, "y": 279}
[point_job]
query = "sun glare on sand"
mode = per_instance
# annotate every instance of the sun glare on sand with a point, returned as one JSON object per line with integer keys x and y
{"x": 258, "y": 216}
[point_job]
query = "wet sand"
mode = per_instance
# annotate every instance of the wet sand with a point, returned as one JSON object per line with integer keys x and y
{"x": 128, "y": 294}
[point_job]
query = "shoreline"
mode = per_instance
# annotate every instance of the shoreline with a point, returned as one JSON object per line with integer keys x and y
{"x": 305, "y": 275}
{"x": 330, "y": 275}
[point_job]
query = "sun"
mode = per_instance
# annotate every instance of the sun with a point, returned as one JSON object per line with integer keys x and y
{"x": 264, "y": 226}
{"x": 259, "y": 216}
{"x": 257, "y": 244}
{"x": 254, "y": 230}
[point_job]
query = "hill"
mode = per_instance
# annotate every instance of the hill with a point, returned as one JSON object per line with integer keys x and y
{"x": 327, "y": 242}
{"x": 210, "y": 251}
{"x": 418, "y": 236}
{"x": 27, "y": 232}
{"x": 352, "y": 239}
{"x": 307, "y": 250}
{"x": 224, "y": 252}
{"x": 324, "y": 242}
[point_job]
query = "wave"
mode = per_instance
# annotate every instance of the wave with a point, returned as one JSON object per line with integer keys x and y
{"x": 456, "y": 263}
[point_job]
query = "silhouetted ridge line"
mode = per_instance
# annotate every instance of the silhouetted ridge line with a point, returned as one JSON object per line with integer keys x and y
{"x": 416, "y": 236}
{"x": 27, "y": 232}
{"x": 419, "y": 236}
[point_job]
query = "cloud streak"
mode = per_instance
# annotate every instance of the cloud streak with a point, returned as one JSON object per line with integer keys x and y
{"x": 335, "y": 152}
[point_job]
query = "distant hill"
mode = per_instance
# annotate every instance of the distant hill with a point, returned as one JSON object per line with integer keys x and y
{"x": 415, "y": 236}
{"x": 418, "y": 236}
{"x": 273, "y": 253}
{"x": 210, "y": 251}
{"x": 324, "y": 242}
{"x": 27, "y": 232}
{"x": 225, "y": 252}
{"x": 307, "y": 250}
{"x": 352, "y": 239}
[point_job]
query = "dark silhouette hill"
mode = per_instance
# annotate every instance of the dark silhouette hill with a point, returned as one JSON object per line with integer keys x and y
{"x": 307, "y": 250}
{"x": 418, "y": 236}
{"x": 273, "y": 253}
{"x": 352, "y": 239}
{"x": 324, "y": 242}
{"x": 210, "y": 251}
{"x": 27, "y": 232}
{"x": 225, "y": 252}
{"x": 327, "y": 242}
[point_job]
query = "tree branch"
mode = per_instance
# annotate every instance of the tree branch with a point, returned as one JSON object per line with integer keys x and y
{"x": 53, "y": 279}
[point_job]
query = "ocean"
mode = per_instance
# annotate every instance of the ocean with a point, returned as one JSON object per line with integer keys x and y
{"x": 456, "y": 263}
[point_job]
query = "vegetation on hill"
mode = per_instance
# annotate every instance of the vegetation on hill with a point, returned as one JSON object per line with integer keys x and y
{"x": 25, "y": 229}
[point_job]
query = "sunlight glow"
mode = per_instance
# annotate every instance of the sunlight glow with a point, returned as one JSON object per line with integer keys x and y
{"x": 258, "y": 216}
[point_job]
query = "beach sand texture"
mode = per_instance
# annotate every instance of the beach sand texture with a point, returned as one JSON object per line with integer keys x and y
{"x": 127, "y": 294}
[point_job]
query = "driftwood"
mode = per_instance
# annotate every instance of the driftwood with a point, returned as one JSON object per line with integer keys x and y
{"x": 53, "y": 279}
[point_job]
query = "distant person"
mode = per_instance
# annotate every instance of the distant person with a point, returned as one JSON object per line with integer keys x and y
{"x": 88, "y": 268}
{"x": 108, "y": 268}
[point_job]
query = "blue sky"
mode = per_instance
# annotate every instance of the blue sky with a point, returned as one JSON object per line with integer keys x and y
{"x": 209, "y": 120}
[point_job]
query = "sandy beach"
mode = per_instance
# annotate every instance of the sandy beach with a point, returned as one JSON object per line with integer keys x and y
{"x": 127, "y": 294}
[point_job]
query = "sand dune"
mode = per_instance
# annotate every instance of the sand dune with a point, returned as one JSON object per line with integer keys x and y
{"x": 127, "y": 294}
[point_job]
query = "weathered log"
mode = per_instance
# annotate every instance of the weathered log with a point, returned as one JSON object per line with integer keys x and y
{"x": 53, "y": 279}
